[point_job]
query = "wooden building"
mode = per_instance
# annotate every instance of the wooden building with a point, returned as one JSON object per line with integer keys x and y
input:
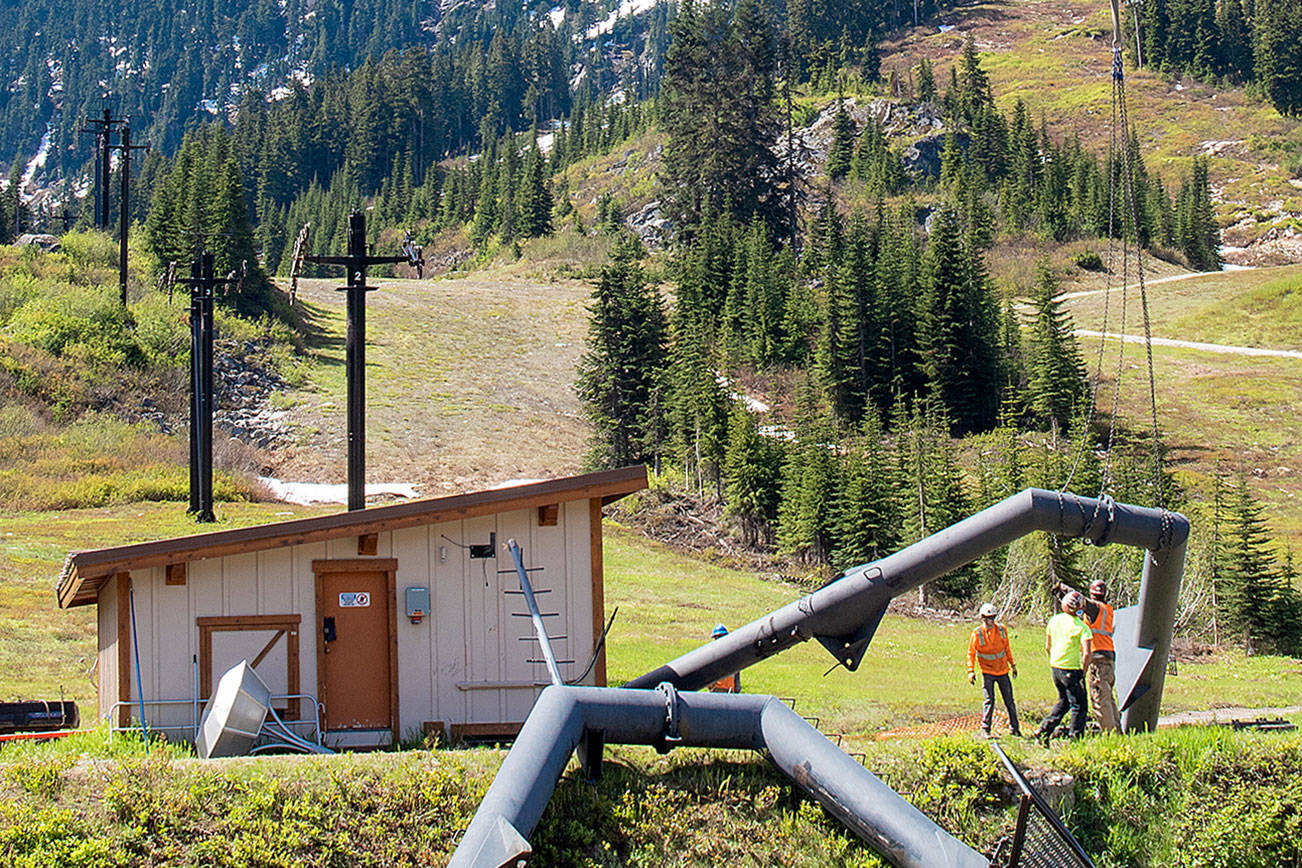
{"x": 397, "y": 619}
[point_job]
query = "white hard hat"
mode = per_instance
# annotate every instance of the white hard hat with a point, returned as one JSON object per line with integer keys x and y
{"x": 988, "y": 610}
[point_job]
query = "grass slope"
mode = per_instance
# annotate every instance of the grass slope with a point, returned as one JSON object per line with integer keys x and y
{"x": 1239, "y": 410}
{"x": 1056, "y": 56}
{"x": 455, "y": 369}
{"x": 915, "y": 670}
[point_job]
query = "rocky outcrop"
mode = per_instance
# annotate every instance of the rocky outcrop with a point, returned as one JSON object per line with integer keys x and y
{"x": 244, "y": 379}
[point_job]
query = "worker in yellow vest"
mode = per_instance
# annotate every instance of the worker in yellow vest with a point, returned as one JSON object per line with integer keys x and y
{"x": 989, "y": 650}
{"x": 730, "y": 683}
{"x": 1101, "y": 674}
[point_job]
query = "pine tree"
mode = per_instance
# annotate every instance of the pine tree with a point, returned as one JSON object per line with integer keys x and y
{"x": 1277, "y": 57}
{"x": 751, "y": 476}
{"x": 805, "y": 516}
{"x": 536, "y": 204}
{"x": 841, "y": 152}
{"x": 1056, "y": 383}
{"x": 622, "y": 363}
{"x": 926, "y": 82}
{"x": 1258, "y": 602}
{"x": 718, "y": 110}
{"x": 958, "y": 332}
{"x": 866, "y": 517}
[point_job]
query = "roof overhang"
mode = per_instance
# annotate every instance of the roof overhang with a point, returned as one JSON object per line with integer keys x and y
{"x": 85, "y": 572}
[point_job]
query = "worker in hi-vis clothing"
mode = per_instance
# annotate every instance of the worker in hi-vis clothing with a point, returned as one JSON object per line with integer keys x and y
{"x": 729, "y": 683}
{"x": 1101, "y": 674}
{"x": 989, "y": 650}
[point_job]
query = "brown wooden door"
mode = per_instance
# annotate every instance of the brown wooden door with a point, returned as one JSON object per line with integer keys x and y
{"x": 355, "y": 681}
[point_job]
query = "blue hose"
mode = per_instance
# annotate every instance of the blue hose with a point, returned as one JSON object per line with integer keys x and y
{"x": 135, "y": 647}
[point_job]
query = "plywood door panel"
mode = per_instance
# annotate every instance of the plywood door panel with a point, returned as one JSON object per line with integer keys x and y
{"x": 357, "y": 690}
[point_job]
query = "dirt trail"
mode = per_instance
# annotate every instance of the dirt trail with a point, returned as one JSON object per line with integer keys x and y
{"x": 1068, "y": 296}
{"x": 1224, "y": 715}
{"x": 1226, "y": 349}
{"x": 469, "y": 383}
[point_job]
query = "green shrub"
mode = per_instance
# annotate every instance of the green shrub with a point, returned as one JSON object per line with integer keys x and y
{"x": 86, "y": 324}
{"x": 85, "y": 249}
{"x": 1089, "y": 260}
{"x": 16, "y": 289}
{"x": 161, "y": 331}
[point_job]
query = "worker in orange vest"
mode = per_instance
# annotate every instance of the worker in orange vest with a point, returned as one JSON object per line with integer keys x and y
{"x": 989, "y": 650}
{"x": 1101, "y": 674}
{"x": 730, "y": 683}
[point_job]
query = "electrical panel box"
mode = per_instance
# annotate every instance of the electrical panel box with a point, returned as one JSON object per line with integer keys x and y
{"x": 417, "y": 603}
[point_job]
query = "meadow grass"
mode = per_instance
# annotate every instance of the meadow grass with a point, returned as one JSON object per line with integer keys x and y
{"x": 914, "y": 671}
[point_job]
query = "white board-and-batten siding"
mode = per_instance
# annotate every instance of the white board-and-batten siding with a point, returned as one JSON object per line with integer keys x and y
{"x": 466, "y": 662}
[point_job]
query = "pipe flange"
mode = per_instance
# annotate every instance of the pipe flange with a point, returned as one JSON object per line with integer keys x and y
{"x": 672, "y": 715}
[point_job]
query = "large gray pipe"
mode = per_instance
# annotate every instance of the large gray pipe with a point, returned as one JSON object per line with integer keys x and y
{"x": 844, "y": 614}
{"x": 514, "y": 803}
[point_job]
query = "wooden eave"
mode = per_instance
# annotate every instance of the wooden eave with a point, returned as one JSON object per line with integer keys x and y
{"x": 85, "y": 572}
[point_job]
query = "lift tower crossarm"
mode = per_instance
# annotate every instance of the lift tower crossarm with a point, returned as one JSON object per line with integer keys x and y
{"x": 844, "y": 614}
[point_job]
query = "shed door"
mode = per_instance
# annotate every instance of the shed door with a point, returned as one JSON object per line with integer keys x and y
{"x": 355, "y": 628}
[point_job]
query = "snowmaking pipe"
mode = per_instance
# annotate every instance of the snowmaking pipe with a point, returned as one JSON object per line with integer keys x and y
{"x": 844, "y": 614}
{"x": 563, "y": 715}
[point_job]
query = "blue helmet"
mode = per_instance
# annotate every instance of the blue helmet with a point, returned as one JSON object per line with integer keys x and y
{"x": 719, "y": 630}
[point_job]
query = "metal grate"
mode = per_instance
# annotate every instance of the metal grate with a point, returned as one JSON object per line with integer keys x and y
{"x": 1041, "y": 839}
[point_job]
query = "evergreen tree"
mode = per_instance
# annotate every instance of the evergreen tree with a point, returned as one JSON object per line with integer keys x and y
{"x": 751, "y": 475}
{"x": 718, "y": 111}
{"x": 1259, "y": 603}
{"x": 841, "y": 152}
{"x": 866, "y": 515}
{"x": 805, "y": 516}
{"x": 621, "y": 365}
{"x": 536, "y": 204}
{"x": 958, "y": 335}
{"x": 1056, "y": 383}
{"x": 1277, "y": 57}
{"x": 926, "y": 81}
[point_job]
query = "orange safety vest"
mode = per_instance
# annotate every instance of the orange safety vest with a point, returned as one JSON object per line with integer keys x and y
{"x": 726, "y": 685}
{"x": 991, "y": 650}
{"x": 1101, "y": 627}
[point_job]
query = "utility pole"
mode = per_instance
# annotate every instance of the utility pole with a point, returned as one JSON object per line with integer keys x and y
{"x": 124, "y": 216}
{"x": 203, "y": 283}
{"x": 102, "y": 127}
{"x": 356, "y": 262}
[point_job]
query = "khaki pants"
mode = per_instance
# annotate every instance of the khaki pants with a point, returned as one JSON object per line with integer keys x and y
{"x": 1102, "y": 676}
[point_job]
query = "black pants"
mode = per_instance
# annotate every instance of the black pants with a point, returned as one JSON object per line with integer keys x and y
{"x": 1005, "y": 683}
{"x": 1071, "y": 694}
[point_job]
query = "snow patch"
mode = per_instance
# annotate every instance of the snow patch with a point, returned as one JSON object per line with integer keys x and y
{"x": 208, "y": 105}
{"x": 626, "y": 9}
{"x": 308, "y": 493}
{"x": 546, "y": 142}
{"x": 37, "y": 162}
{"x": 557, "y": 16}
